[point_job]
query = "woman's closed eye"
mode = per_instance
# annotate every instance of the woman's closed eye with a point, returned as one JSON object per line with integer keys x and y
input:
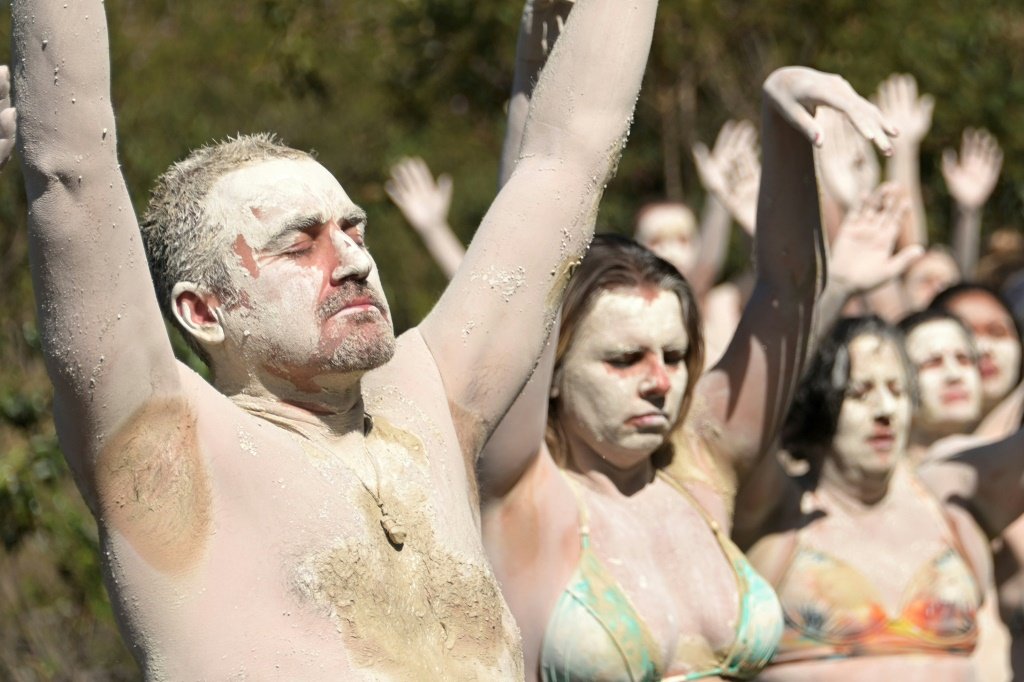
{"x": 624, "y": 360}
{"x": 858, "y": 391}
{"x": 674, "y": 357}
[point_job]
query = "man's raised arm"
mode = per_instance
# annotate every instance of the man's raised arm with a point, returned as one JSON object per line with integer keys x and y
{"x": 106, "y": 348}
{"x": 487, "y": 330}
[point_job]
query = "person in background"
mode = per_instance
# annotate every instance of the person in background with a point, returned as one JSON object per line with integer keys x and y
{"x": 610, "y": 535}
{"x": 943, "y": 354}
{"x": 880, "y": 572}
{"x": 998, "y": 339}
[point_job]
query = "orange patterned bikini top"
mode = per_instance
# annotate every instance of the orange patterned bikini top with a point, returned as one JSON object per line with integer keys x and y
{"x": 833, "y": 611}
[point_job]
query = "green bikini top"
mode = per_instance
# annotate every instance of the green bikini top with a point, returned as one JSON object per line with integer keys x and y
{"x": 595, "y": 632}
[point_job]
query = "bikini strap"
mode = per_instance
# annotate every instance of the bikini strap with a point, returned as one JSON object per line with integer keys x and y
{"x": 733, "y": 557}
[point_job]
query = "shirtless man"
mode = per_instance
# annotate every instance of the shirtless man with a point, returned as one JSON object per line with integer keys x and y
{"x": 313, "y": 514}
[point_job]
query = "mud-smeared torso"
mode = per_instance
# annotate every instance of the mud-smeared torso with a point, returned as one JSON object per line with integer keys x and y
{"x": 422, "y": 597}
{"x": 296, "y": 578}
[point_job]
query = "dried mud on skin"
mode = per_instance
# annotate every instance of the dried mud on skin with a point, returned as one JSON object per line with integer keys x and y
{"x": 419, "y": 612}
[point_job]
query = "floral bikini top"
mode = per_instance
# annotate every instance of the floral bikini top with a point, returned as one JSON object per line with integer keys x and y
{"x": 595, "y": 633}
{"x": 833, "y": 611}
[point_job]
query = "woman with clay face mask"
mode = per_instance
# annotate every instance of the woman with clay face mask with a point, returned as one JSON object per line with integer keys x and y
{"x": 878, "y": 577}
{"x": 998, "y": 339}
{"x": 942, "y": 352}
{"x": 999, "y": 346}
{"x": 610, "y": 536}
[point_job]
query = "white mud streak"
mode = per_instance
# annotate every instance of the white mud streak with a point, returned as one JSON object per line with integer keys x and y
{"x": 505, "y": 282}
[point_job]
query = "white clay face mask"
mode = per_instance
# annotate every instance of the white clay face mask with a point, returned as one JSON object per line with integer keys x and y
{"x": 874, "y": 419}
{"x": 624, "y": 377}
{"x": 671, "y": 232}
{"x": 997, "y": 343}
{"x": 280, "y": 321}
{"x": 258, "y": 199}
{"x": 1005, "y": 353}
{"x": 947, "y": 376}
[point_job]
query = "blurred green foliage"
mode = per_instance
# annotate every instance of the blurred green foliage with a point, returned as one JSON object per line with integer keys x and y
{"x": 365, "y": 82}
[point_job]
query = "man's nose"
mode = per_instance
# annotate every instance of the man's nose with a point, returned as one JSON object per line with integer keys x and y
{"x": 353, "y": 260}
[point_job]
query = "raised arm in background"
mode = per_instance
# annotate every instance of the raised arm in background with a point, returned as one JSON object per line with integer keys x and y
{"x": 541, "y": 24}
{"x": 517, "y": 439}
{"x": 487, "y": 331}
{"x": 746, "y": 395}
{"x": 8, "y": 118}
{"x": 911, "y": 113}
{"x": 848, "y": 166}
{"x": 971, "y": 178}
{"x": 731, "y": 174}
{"x": 860, "y": 259}
{"x": 425, "y": 203}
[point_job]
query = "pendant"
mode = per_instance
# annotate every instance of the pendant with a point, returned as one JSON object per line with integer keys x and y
{"x": 394, "y": 530}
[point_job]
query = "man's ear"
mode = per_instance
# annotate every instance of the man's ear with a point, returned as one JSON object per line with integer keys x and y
{"x": 198, "y": 312}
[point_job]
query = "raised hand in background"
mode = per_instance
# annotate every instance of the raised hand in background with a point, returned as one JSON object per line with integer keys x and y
{"x": 911, "y": 112}
{"x": 731, "y": 172}
{"x": 862, "y": 256}
{"x": 908, "y": 110}
{"x": 971, "y": 178}
{"x": 425, "y": 204}
{"x": 849, "y": 167}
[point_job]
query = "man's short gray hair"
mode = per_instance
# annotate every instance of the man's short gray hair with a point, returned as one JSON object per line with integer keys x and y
{"x": 181, "y": 244}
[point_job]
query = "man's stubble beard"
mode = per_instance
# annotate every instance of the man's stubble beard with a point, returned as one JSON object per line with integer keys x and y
{"x": 366, "y": 348}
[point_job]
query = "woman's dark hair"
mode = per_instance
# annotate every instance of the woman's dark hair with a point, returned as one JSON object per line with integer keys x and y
{"x": 615, "y": 262}
{"x": 944, "y": 301}
{"x": 813, "y": 418}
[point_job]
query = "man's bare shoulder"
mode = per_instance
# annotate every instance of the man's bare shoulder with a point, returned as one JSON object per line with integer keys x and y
{"x": 412, "y": 363}
{"x": 408, "y": 391}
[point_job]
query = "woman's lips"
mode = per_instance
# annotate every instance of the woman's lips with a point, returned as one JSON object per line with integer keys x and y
{"x": 987, "y": 368}
{"x": 882, "y": 441}
{"x": 953, "y": 396}
{"x": 650, "y": 420}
